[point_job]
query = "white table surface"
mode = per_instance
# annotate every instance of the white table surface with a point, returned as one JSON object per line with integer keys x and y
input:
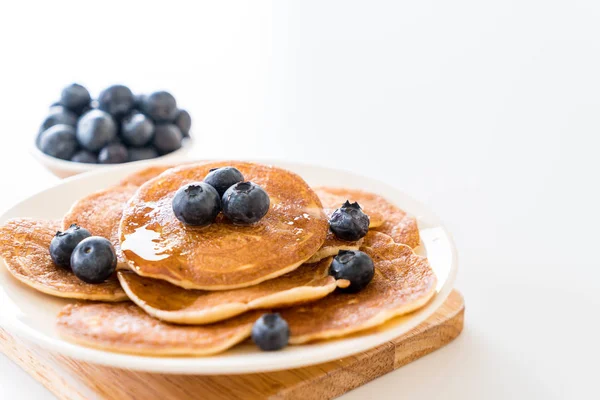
{"x": 486, "y": 111}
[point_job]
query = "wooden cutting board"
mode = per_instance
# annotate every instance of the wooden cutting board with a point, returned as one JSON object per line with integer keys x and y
{"x": 76, "y": 380}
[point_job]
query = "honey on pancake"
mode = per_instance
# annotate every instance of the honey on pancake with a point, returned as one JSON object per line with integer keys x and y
{"x": 141, "y": 246}
{"x": 222, "y": 255}
{"x": 101, "y": 211}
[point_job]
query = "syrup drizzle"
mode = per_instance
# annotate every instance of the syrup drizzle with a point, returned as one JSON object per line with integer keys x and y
{"x": 143, "y": 243}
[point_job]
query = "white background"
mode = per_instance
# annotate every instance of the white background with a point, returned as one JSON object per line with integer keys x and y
{"x": 486, "y": 111}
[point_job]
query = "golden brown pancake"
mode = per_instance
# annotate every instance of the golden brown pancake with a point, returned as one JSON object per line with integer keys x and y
{"x": 395, "y": 222}
{"x": 332, "y": 246}
{"x": 222, "y": 255}
{"x": 100, "y": 212}
{"x": 126, "y": 328}
{"x": 333, "y": 198}
{"x": 142, "y": 176}
{"x": 403, "y": 282}
{"x": 24, "y": 246}
{"x": 187, "y": 306}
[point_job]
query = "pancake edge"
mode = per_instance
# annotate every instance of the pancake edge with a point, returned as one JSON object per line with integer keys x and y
{"x": 113, "y": 298}
{"x": 331, "y": 251}
{"x": 191, "y": 285}
{"x": 153, "y": 352}
{"x": 297, "y": 295}
{"x": 377, "y": 320}
{"x": 71, "y": 212}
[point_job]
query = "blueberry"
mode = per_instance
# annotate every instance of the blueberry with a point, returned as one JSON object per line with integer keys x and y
{"x": 270, "y": 332}
{"x": 75, "y": 97}
{"x": 59, "y": 115}
{"x": 354, "y": 266}
{"x": 161, "y": 107}
{"x": 142, "y": 153}
{"x": 167, "y": 138}
{"x": 138, "y": 102}
{"x": 113, "y": 153}
{"x": 196, "y": 204}
{"x": 245, "y": 203}
{"x": 223, "y": 178}
{"x": 137, "y": 129}
{"x": 95, "y": 130}
{"x": 59, "y": 141}
{"x": 94, "y": 260}
{"x": 63, "y": 244}
{"x": 84, "y": 156}
{"x": 349, "y": 222}
{"x": 117, "y": 100}
{"x": 184, "y": 122}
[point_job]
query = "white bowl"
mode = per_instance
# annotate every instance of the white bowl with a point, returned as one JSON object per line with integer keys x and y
{"x": 65, "y": 168}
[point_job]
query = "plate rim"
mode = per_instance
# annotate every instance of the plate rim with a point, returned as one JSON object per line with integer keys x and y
{"x": 227, "y": 365}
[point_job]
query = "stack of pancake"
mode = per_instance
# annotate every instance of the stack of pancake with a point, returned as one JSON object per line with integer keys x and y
{"x": 181, "y": 290}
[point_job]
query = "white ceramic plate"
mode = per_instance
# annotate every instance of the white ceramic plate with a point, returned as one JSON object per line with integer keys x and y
{"x": 31, "y": 315}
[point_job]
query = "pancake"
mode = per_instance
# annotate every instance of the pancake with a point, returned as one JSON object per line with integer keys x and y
{"x": 100, "y": 212}
{"x": 222, "y": 255}
{"x": 142, "y": 176}
{"x": 403, "y": 282}
{"x": 395, "y": 222}
{"x": 333, "y": 198}
{"x": 24, "y": 246}
{"x": 183, "y": 306}
{"x": 332, "y": 246}
{"x": 126, "y": 328}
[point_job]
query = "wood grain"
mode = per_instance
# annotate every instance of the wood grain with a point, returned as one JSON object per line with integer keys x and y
{"x": 75, "y": 380}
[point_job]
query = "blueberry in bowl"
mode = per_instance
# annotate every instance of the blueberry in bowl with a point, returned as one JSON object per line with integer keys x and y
{"x": 117, "y": 100}
{"x": 142, "y": 153}
{"x": 75, "y": 98}
{"x": 183, "y": 120}
{"x": 80, "y": 133}
{"x": 113, "y": 153}
{"x": 59, "y": 115}
{"x": 137, "y": 129}
{"x": 167, "y": 138}
{"x": 85, "y": 157}
{"x": 160, "y": 106}
{"x": 96, "y": 129}
{"x": 59, "y": 141}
